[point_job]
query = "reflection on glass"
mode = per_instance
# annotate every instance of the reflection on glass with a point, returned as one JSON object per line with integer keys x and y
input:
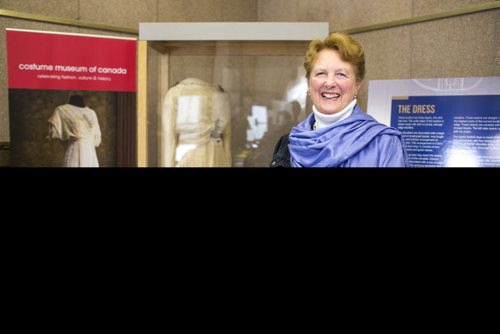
{"x": 296, "y": 90}
{"x": 266, "y": 96}
{"x": 257, "y": 124}
{"x": 462, "y": 158}
{"x": 189, "y": 110}
{"x": 267, "y": 123}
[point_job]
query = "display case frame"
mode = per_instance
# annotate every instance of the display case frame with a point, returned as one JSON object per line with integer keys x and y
{"x": 158, "y": 43}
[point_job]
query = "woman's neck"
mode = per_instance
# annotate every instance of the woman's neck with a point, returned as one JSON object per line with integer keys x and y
{"x": 324, "y": 120}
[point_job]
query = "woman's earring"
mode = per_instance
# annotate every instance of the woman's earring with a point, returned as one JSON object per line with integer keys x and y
{"x": 308, "y": 93}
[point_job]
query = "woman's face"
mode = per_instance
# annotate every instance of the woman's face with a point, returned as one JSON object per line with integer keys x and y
{"x": 332, "y": 83}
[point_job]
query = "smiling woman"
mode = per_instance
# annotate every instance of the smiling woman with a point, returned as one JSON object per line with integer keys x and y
{"x": 338, "y": 133}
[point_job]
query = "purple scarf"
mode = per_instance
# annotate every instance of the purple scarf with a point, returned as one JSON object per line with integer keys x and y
{"x": 334, "y": 145}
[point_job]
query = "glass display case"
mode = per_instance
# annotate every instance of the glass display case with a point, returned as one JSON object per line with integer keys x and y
{"x": 219, "y": 94}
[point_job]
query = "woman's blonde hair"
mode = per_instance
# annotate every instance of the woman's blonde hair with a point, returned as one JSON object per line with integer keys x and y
{"x": 349, "y": 49}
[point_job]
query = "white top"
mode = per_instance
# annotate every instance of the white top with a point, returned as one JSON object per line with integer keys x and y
{"x": 195, "y": 126}
{"x": 324, "y": 120}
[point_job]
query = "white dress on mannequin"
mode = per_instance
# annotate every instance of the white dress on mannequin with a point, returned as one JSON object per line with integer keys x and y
{"x": 195, "y": 126}
{"x": 79, "y": 128}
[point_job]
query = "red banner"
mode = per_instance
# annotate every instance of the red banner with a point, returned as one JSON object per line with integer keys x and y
{"x": 38, "y": 60}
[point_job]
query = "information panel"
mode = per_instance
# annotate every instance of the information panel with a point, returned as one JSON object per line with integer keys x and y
{"x": 445, "y": 122}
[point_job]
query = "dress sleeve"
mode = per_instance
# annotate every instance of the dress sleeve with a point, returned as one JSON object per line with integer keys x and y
{"x": 55, "y": 126}
{"x": 168, "y": 133}
{"x": 97, "y": 131}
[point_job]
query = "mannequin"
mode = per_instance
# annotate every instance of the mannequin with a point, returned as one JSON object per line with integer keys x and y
{"x": 77, "y": 101}
{"x": 78, "y": 126}
{"x": 195, "y": 126}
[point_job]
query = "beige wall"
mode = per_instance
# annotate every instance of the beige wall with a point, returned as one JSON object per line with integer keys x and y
{"x": 467, "y": 45}
{"x": 462, "y": 46}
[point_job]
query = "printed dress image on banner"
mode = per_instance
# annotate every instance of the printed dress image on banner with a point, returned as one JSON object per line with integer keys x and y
{"x": 71, "y": 99}
{"x": 453, "y": 122}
